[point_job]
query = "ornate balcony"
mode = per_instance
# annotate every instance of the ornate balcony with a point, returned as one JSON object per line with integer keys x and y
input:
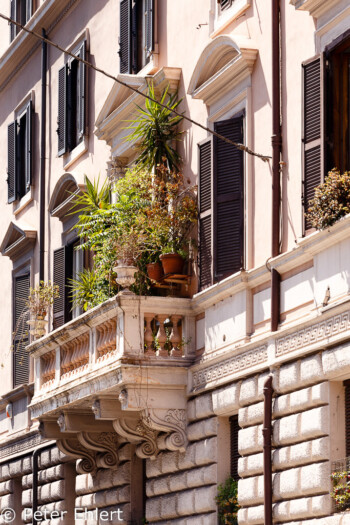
{"x": 116, "y": 373}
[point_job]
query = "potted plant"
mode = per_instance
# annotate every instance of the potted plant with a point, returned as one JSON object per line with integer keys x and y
{"x": 40, "y": 300}
{"x": 128, "y": 246}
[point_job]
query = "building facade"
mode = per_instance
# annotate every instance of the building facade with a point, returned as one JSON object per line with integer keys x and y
{"x": 95, "y": 425}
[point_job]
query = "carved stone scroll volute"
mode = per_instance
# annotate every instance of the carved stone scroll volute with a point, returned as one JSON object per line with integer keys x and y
{"x": 172, "y": 424}
{"x": 105, "y": 444}
{"x": 86, "y": 463}
{"x": 137, "y": 432}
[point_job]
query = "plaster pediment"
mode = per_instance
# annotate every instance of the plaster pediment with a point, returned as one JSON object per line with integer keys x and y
{"x": 17, "y": 240}
{"x": 222, "y": 65}
{"x": 120, "y": 105}
{"x": 63, "y": 196}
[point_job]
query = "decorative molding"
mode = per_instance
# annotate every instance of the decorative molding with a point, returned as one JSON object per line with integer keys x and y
{"x": 106, "y": 446}
{"x": 138, "y": 432}
{"x": 316, "y": 8}
{"x": 20, "y": 445}
{"x": 18, "y": 239}
{"x": 313, "y": 334}
{"x": 86, "y": 463}
{"x": 230, "y": 366}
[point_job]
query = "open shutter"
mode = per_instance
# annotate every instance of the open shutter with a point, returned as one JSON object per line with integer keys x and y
{"x": 20, "y": 356}
{"x": 234, "y": 429}
{"x": 60, "y": 263}
{"x": 29, "y": 9}
{"x": 62, "y": 110}
{"x": 11, "y": 162}
{"x": 28, "y": 146}
{"x": 312, "y": 130}
{"x": 347, "y": 417}
{"x": 82, "y": 91}
{"x": 13, "y": 17}
{"x": 149, "y": 28}
{"x": 228, "y": 199}
{"x": 125, "y": 36}
{"x": 205, "y": 214}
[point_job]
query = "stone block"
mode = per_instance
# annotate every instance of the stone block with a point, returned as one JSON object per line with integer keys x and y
{"x": 281, "y": 405}
{"x": 161, "y": 486}
{"x": 250, "y": 465}
{"x": 299, "y": 508}
{"x": 191, "y": 410}
{"x": 301, "y": 454}
{"x": 311, "y": 370}
{"x": 248, "y": 440}
{"x": 261, "y": 383}
{"x": 286, "y": 430}
{"x": 186, "y": 460}
{"x": 8, "y": 501}
{"x": 251, "y": 415}
{"x": 248, "y": 491}
{"x": 202, "y": 429}
{"x": 315, "y": 478}
{"x": 286, "y": 484}
{"x": 168, "y": 507}
{"x": 226, "y": 400}
{"x": 205, "y": 451}
{"x": 169, "y": 462}
{"x": 204, "y": 499}
{"x": 176, "y": 482}
{"x": 249, "y": 391}
{"x": 336, "y": 361}
{"x": 204, "y": 406}
{"x": 154, "y": 467}
{"x": 280, "y": 511}
{"x": 5, "y": 472}
{"x": 300, "y": 400}
{"x": 255, "y": 515}
{"x": 314, "y": 423}
{"x": 185, "y": 503}
{"x": 201, "y": 476}
{"x": 289, "y": 377}
{"x": 320, "y": 394}
{"x": 6, "y": 487}
{"x": 321, "y": 505}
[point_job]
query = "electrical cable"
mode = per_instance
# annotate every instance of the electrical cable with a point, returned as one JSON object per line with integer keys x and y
{"x": 239, "y": 146}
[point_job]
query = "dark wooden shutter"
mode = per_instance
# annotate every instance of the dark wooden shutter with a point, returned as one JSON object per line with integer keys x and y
{"x": 82, "y": 91}
{"x": 28, "y": 147}
{"x": 149, "y": 21}
{"x": 228, "y": 199}
{"x": 60, "y": 305}
{"x": 225, "y": 4}
{"x": 11, "y": 162}
{"x": 13, "y": 29}
{"x": 312, "y": 131}
{"x": 205, "y": 214}
{"x": 125, "y": 36}
{"x": 21, "y": 316}
{"x": 29, "y": 9}
{"x": 62, "y": 110}
{"x": 234, "y": 429}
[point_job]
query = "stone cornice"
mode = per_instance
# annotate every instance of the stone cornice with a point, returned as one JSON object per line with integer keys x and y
{"x": 316, "y": 8}
{"x": 48, "y": 15}
{"x": 18, "y": 239}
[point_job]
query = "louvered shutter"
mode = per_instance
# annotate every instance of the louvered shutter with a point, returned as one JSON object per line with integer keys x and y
{"x": 11, "y": 162}
{"x": 125, "y": 36}
{"x": 225, "y": 4}
{"x": 82, "y": 91}
{"x": 347, "y": 417}
{"x": 29, "y": 9}
{"x": 312, "y": 130}
{"x": 149, "y": 28}
{"x": 62, "y": 110}
{"x": 21, "y": 316}
{"x": 228, "y": 199}
{"x": 28, "y": 146}
{"x": 60, "y": 305}
{"x": 13, "y": 17}
{"x": 205, "y": 214}
{"x": 134, "y": 50}
{"x": 234, "y": 429}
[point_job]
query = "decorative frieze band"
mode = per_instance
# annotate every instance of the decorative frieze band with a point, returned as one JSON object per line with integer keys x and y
{"x": 313, "y": 334}
{"x": 229, "y": 366}
{"x": 20, "y": 446}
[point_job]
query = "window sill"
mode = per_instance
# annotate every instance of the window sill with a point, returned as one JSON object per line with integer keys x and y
{"x": 76, "y": 153}
{"x": 225, "y": 18}
{"x": 18, "y": 206}
{"x": 149, "y": 68}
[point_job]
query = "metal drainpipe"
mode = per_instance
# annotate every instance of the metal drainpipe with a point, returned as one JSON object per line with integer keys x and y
{"x": 42, "y": 160}
{"x": 276, "y": 155}
{"x": 267, "y": 434}
{"x": 35, "y": 457}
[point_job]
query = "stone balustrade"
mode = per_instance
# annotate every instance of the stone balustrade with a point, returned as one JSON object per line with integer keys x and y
{"x": 127, "y": 327}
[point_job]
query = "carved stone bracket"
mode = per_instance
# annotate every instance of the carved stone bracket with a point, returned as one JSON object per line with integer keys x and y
{"x": 157, "y": 429}
{"x": 87, "y": 459}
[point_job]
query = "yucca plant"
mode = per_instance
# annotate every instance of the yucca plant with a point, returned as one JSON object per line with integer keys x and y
{"x": 155, "y": 129}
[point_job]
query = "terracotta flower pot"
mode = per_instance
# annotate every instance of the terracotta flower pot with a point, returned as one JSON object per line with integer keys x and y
{"x": 155, "y": 271}
{"x": 172, "y": 263}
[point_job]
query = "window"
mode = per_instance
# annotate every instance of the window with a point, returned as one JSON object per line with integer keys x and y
{"x": 225, "y": 4}
{"x": 21, "y": 11}
{"x": 234, "y": 429}
{"x": 221, "y": 204}
{"x": 19, "y": 163}
{"x": 326, "y": 114}
{"x": 67, "y": 263}
{"x": 136, "y": 34}
{"x": 72, "y": 98}
{"x": 21, "y": 288}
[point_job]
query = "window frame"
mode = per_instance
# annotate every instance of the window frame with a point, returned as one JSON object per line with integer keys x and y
{"x": 23, "y": 271}
{"x": 15, "y": 7}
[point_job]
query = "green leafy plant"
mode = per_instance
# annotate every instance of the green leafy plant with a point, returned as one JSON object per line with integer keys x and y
{"x": 41, "y": 298}
{"x": 341, "y": 489}
{"x": 331, "y": 200}
{"x": 88, "y": 290}
{"x": 227, "y": 501}
{"x": 155, "y": 129}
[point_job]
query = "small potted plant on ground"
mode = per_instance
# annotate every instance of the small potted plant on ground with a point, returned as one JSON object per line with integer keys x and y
{"x": 40, "y": 300}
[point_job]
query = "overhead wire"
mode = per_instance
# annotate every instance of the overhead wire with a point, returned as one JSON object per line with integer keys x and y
{"x": 238, "y": 145}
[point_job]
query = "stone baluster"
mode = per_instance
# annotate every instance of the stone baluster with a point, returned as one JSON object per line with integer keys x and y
{"x": 161, "y": 336}
{"x": 149, "y": 335}
{"x": 175, "y": 337}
